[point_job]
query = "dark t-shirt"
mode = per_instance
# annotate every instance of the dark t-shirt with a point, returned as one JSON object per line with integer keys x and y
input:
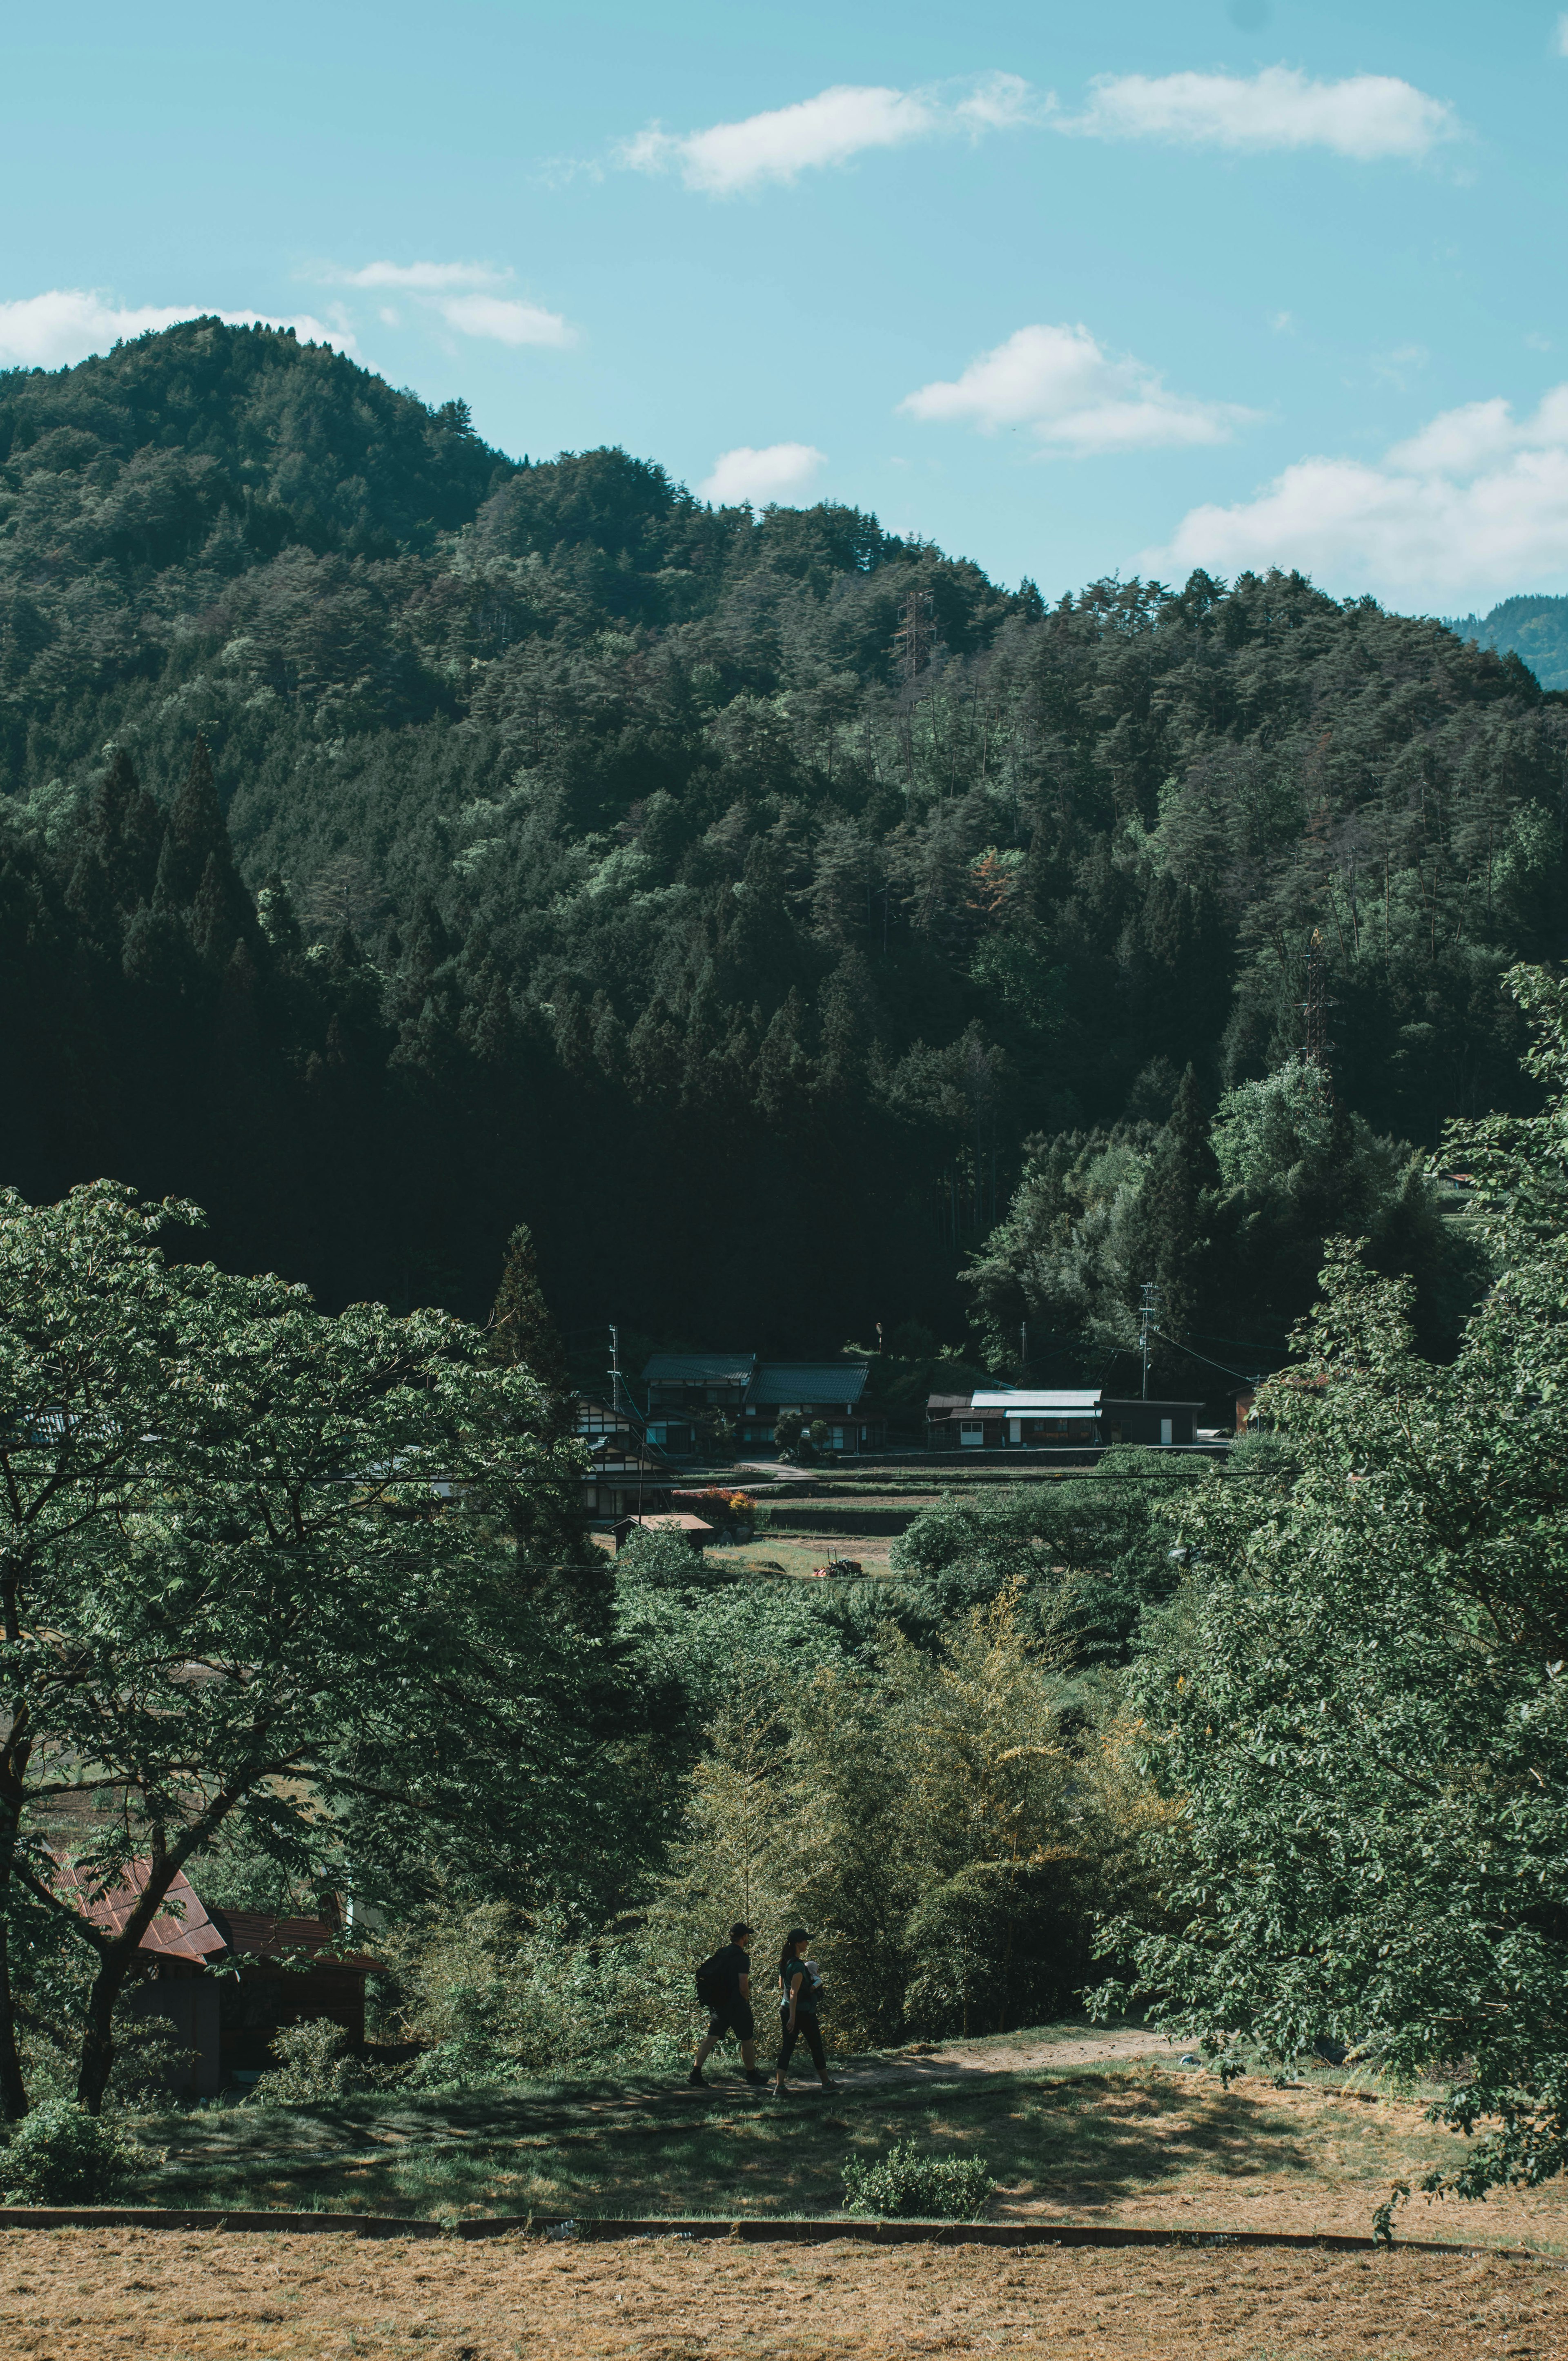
{"x": 810, "y": 1987}
{"x": 733, "y": 1963}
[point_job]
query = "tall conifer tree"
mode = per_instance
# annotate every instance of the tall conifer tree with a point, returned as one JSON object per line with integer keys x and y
{"x": 523, "y": 1334}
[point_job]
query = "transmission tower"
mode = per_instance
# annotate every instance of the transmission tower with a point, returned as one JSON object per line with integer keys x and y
{"x": 912, "y": 641}
{"x": 1315, "y": 1007}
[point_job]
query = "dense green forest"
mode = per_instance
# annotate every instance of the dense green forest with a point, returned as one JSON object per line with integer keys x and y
{"x": 798, "y": 930}
{"x": 1535, "y": 628}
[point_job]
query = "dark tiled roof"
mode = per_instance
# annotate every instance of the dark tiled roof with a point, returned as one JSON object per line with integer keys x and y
{"x": 808, "y": 1381}
{"x": 699, "y": 1369}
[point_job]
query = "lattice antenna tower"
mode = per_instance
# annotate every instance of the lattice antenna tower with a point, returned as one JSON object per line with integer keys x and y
{"x": 1315, "y": 1007}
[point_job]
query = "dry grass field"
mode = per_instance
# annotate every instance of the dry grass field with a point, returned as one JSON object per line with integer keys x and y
{"x": 83, "y": 2295}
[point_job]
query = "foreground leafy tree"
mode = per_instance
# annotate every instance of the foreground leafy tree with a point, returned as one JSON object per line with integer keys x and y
{"x": 260, "y": 1581}
{"x": 1362, "y": 1692}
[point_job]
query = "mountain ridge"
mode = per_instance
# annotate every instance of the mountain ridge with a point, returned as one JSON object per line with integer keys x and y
{"x": 730, "y": 895}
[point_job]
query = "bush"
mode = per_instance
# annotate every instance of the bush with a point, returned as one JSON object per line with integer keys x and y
{"x": 59, "y": 2155}
{"x": 904, "y": 2185}
{"x": 316, "y": 2066}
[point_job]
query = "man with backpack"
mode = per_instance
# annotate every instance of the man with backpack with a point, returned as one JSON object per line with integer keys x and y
{"x": 724, "y": 1987}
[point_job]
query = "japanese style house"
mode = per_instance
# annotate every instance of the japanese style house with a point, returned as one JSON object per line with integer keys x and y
{"x": 685, "y": 1391}
{"x": 624, "y": 1475}
{"x": 1023, "y": 1418}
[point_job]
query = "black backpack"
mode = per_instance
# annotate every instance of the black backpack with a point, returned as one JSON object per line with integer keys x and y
{"x": 712, "y": 1981}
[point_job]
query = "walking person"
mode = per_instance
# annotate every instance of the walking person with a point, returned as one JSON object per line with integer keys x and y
{"x": 724, "y": 1984}
{"x": 800, "y": 1990}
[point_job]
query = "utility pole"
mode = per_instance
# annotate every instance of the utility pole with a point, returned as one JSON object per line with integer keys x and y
{"x": 1023, "y": 1348}
{"x": 1147, "y": 1312}
{"x": 637, "y": 1440}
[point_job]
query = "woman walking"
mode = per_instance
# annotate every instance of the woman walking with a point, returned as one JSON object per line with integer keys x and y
{"x": 800, "y": 1986}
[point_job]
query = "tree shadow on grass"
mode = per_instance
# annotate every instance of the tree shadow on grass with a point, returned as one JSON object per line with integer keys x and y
{"x": 609, "y": 2148}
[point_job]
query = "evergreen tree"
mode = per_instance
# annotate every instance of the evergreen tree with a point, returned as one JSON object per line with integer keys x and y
{"x": 1174, "y": 1209}
{"x": 196, "y": 833}
{"x": 523, "y": 1335}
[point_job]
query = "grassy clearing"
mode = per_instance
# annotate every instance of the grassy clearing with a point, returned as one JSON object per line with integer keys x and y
{"x": 79, "y": 2295}
{"x": 1137, "y": 2141}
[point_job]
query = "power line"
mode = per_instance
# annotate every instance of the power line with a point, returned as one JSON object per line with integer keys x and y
{"x": 1249, "y": 1376}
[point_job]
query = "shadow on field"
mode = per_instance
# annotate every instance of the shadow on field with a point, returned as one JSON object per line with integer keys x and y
{"x": 645, "y": 2147}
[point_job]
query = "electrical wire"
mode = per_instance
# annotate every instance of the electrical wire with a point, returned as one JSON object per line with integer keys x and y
{"x": 1247, "y": 1376}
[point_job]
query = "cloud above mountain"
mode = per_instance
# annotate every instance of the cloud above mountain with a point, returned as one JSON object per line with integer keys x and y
{"x": 1061, "y": 385}
{"x": 66, "y": 323}
{"x": 1476, "y": 502}
{"x": 469, "y": 297}
{"x": 758, "y": 477}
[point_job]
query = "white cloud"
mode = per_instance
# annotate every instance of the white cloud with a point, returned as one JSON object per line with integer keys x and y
{"x": 1074, "y": 396}
{"x": 505, "y": 321}
{"x": 463, "y": 295}
{"x": 421, "y": 278}
{"x": 831, "y": 128}
{"x": 761, "y": 476}
{"x": 1562, "y": 41}
{"x": 1476, "y": 502}
{"x": 1367, "y": 117}
{"x": 52, "y": 331}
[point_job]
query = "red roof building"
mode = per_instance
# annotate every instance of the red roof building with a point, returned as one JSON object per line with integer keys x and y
{"x": 229, "y": 1979}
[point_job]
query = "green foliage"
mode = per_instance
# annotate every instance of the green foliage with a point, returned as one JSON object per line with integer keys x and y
{"x": 1086, "y": 1556}
{"x": 329, "y": 1518}
{"x": 1534, "y": 628}
{"x": 606, "y": 879}
{"x": 1230, "y": 1219}
{"x": 904, "y": 2185}
{"x": 503, "y": 1995}
{"x": 1361, "y": 1702}
{"x": 1263, "y": 1132}
{"x": 316, "y": 2067}
{"x": 59, "y": 2155}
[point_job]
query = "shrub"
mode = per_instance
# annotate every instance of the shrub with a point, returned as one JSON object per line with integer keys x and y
{"x": 904, "y": 2185}
{"x": 315, "y": 2066}
{"x": 59, "y": 2155}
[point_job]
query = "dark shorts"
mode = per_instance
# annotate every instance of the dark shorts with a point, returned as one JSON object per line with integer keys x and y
{"x": 736, "y": 2018}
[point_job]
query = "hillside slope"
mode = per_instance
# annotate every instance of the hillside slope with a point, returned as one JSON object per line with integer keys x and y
{"x": 733, "y": 897}
{"x": 1534, "y": 628}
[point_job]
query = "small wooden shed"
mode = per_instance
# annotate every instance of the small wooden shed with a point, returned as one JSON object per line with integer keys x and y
{"x": 282, "y": 1972}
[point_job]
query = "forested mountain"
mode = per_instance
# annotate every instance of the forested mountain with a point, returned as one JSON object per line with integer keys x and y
{"x": 1535, "y": 628}
{"x": 401, "y": 842}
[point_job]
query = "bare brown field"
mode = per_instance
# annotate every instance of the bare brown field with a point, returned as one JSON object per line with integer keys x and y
{"x": 79, "y": 2295}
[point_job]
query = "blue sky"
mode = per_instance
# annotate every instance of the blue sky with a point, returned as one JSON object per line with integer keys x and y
{"x": 1070, "y": 290}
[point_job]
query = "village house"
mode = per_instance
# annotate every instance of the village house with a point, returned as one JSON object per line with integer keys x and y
{"x": 624, "y": 1477}
{"x": 690, "y": 1393}
{"x": 285, "y": 1971}
{"x": 832, "y": 1392}
{"x": 1026, "y": 1418}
